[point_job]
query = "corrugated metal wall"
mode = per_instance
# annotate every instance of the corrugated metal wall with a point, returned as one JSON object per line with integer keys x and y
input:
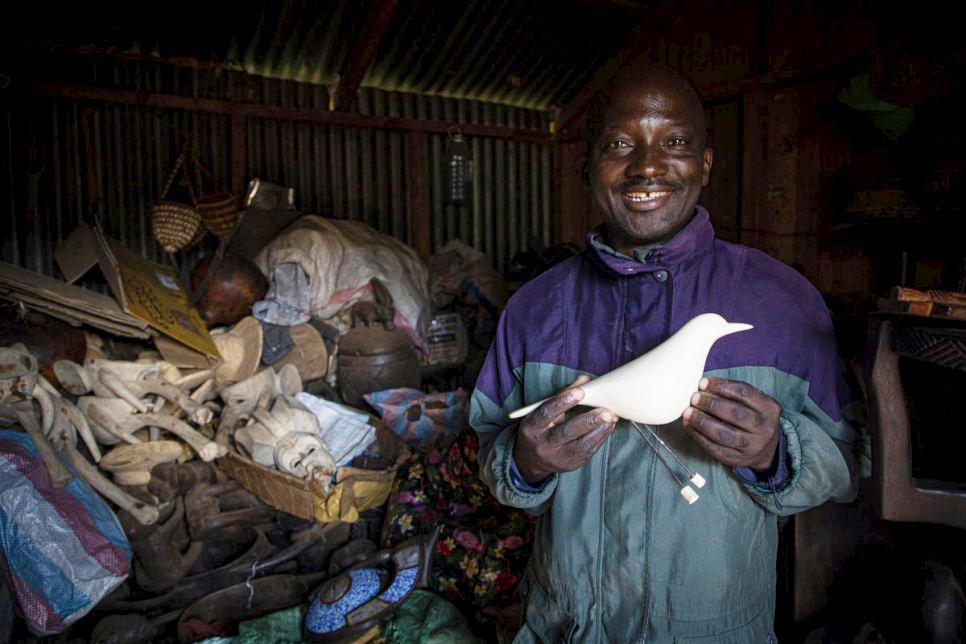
{"x": 65, "y": 159}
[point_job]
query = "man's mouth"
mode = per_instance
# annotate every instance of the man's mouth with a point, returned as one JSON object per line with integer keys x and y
{"x": 645, "y": 200}
{"x": 645, "y": 196}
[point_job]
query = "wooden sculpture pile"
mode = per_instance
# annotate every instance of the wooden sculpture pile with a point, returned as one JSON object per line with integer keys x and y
{"x": 125, "y": 405}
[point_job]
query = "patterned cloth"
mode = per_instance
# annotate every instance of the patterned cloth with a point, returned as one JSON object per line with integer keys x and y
{"x": 417, "y": 418}
{"x": 483, "y": 546}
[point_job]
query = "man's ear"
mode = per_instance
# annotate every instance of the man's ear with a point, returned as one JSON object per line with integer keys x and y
{"x": 708, "y": 160}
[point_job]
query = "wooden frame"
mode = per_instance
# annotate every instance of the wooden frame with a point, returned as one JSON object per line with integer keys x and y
{"x": 897, "y": 496}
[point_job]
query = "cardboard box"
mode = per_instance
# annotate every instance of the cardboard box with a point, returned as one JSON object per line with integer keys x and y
{"x": 145, "y": 290}
{"x": 72, "y": 304}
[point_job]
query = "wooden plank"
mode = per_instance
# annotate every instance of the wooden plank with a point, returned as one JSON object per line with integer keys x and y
{"x": 373, "y": 32}
{"x": 246, "y": 110}
{"x": 417, "y": 192}
{"x": 105, "y": 95}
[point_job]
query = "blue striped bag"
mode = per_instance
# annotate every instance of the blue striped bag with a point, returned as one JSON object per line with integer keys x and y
{"x": 61, "y": 549}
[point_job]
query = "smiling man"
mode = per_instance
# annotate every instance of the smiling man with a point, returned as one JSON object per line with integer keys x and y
{"x": 619, "y": 556}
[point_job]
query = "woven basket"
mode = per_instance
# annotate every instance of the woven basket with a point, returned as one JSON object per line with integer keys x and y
{"x": 355, "y": 490}
{"x": 220, "y": 212}
{"x": 176, "y": 226}
{"x": 942, "y": 346}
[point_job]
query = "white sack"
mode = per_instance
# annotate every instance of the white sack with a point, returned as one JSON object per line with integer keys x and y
{"x": 340, "y": 257}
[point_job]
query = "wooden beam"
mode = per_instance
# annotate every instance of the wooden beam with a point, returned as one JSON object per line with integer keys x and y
{"x": 348, "y": 119}
{"x": 417, "y": 192}
{"x": 643, "y": 36}
{"x": 634, "y": 45}
{"x": 373, "y": 32}
{"x": 105, "y": 95}
{"x": 249, "y": 110}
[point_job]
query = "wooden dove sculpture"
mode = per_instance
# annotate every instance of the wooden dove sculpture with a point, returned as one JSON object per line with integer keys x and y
{"x": 656, "y": 388}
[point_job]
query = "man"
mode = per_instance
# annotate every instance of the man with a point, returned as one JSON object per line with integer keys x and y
{"x": 619, "y": 556}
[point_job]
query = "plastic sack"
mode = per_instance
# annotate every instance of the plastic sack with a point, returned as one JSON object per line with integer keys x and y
{"x": 340, "y": 258}
{"x": 419, "y": 418}
{"x": 459, "y": 270}
{"x": 61, "y": 549}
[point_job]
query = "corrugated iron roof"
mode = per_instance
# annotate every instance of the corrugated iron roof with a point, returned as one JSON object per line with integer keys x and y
{"x": 530, "y": 53}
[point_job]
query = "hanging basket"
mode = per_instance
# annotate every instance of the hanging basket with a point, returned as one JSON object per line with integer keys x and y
{"x": 219, "y": 212}
{"x": 176, "y": 226}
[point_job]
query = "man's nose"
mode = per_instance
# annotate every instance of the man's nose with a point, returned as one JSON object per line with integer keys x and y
{"x": 647, "y": 161}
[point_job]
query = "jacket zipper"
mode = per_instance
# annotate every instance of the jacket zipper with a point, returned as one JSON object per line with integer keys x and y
{"x": 668, "y": 310}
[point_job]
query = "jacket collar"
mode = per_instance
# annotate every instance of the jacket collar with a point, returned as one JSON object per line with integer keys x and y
{"x": 688, "y": 244}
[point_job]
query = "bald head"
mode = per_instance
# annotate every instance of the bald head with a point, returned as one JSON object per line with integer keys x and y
{"x": 654, "y": 83}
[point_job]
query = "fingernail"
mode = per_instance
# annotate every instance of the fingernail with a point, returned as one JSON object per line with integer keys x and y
{"x": 695, "y": 399}
{"x": 703, "y": 384}
{"x": 687, "y": 413}
{"x": 606, "y": 417}
{"x": 575, "y": 394}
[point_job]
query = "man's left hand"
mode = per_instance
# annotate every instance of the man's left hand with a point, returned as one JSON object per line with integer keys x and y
{"x": 736, "y": 423}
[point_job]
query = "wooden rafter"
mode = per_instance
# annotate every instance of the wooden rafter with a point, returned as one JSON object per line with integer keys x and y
{"x": 640, "y": 38}
{"x": 359, "y": 59}
{"x": 251, "y": 110}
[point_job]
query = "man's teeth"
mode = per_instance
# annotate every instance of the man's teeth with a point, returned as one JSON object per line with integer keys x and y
{"x": 646, "y": 196}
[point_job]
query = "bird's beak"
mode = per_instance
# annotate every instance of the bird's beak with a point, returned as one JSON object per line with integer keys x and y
{"x": 735, "y": 327}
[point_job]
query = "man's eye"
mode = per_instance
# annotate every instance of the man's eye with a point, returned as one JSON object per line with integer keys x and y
{"x": 616, "y": 145}
{"x": 677, "y": 141}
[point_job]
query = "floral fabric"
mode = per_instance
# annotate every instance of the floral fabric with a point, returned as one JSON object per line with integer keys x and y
{"x": 483, "y": 546}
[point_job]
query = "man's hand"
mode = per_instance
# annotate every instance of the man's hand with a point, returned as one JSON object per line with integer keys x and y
{"x": 736, "y": 423}
{"x": 548, "y": 443}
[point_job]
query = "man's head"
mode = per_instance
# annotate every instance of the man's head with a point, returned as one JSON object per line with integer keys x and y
{"x": 651, "y": 159}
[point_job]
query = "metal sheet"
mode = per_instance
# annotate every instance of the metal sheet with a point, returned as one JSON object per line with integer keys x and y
{"x": 338, "y": 172}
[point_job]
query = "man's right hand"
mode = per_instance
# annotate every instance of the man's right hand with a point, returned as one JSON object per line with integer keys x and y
{"x": 547, "y": 442}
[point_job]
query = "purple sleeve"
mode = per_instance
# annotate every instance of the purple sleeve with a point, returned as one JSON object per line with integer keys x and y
{"x": 776, "y": 477}
{"x": 517, "y": 479}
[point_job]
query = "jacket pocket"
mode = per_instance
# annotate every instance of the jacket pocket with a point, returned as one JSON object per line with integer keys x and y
{"x": 546, "y": 619}
{"x": 756, "y": 631}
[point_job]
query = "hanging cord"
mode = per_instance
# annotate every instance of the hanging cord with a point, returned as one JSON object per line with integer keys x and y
{"x": 178, "y": 164}
{"x": 686, "y": 490}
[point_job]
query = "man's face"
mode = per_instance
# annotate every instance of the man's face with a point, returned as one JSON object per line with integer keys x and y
{"x": 650, "y": 162}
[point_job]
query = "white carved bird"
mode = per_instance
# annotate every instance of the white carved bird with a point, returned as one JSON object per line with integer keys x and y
{"x": 656, "y": 388}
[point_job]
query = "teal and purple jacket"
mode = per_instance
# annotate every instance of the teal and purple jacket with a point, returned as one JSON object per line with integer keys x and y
{"x": 619, "y": 556}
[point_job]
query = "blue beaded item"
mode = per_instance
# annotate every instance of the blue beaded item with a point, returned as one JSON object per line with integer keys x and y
{"x": 358, "y": 599}
{"x": 326, "y": 618}
{"x": 401, "y": 585}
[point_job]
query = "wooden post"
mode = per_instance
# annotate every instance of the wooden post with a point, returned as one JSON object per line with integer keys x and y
{"x": 239, "y": 149}
{"x": 417, "y": 175}
{"x": 572, "y": 201}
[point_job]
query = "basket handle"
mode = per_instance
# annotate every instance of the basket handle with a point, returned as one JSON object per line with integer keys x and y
{"x": 178, "y": 164}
